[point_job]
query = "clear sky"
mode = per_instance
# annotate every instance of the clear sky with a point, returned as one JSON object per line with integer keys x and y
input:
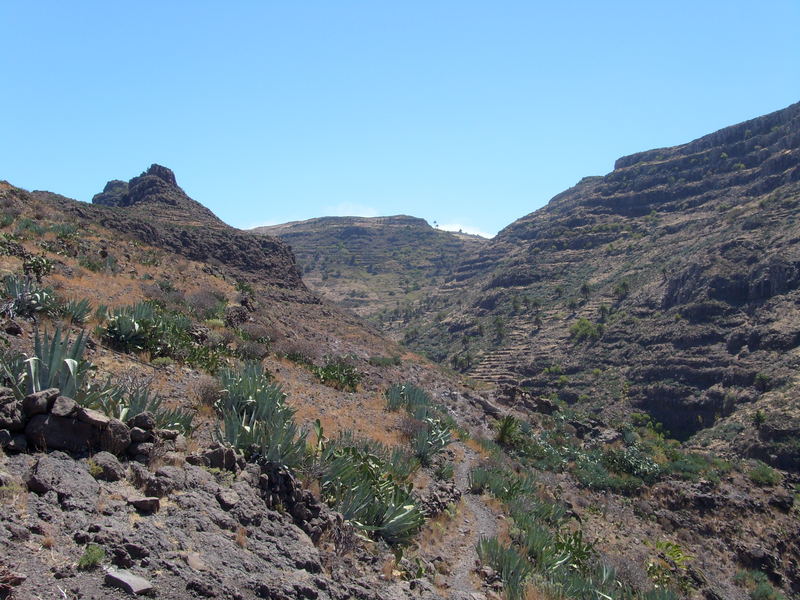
{"x": 462, "y": 112}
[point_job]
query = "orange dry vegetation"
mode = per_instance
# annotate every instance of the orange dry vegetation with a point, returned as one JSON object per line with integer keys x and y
{"x": 362, "y": 412}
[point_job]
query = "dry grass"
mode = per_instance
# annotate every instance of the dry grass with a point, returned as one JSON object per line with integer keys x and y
{"x": 241, "y": 537}
{"x": 388, "y": 568}
{"x": 48, "y": 541}
{"x": 207, "y": 391}
{"x": 440, "y": 528}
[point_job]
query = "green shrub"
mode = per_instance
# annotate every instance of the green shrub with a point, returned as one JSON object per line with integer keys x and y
{"x": 338, "y": 372}
{"x": 37, "y": 267}
{"x": 444, "y": 471}
{"x": 764, "y": 475}
{"x": 583, "y": 329}
{"x": 634, "y": 462}
{"x": 206, "y": 358}
{"x": 385, "y": 361}
{"x": 761, "y": 382}
{"x": 621, "y": 290}
{"x": 65, "y": 231}
{"x": 758, "y": 585}
{"x": 244, "y": 287}
{"x": 92, "y": 557}
{"x": 693, "y": 465}
{"x": 593, "y": 474}
{"x": 28, "y": 227}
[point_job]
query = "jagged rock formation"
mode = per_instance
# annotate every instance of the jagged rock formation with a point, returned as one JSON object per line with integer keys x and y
{"x": 156, "y": 189}
{"x": 154, "y": 210}
{"x": 373, "y": 264}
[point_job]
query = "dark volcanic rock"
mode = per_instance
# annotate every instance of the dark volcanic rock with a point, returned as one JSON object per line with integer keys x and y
{"x": 110, "y": 468}
{"x": 40, "y": 402}
{"x": 48, "y": 432}
{"x": 59, "y": 473}
{"x": 11, "y": 412}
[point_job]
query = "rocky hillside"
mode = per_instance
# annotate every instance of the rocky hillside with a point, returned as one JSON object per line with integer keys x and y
{"x": 373, "y": 265}
{"x": 181, "y": 417}
{"x": 670, "y": 285}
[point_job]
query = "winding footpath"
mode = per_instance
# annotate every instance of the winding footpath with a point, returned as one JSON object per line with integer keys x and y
{"x": 477, "y": 521}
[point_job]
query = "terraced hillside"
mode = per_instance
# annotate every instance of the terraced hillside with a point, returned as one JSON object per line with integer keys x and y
{"x": 669, "y": 285}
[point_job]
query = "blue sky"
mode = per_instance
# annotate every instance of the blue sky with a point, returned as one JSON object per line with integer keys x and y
{"x": 466, "y": 113}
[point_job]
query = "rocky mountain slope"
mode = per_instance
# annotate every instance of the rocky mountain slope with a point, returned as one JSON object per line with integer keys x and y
{"x": 669, "y": 286}
{"x": 217, "y": 430}
{"x": 373, "y": 265}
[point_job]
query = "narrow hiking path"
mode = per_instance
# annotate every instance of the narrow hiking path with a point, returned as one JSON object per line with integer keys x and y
{"x": 476, "y": 520}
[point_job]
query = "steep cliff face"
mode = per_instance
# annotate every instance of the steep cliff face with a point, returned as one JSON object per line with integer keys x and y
{"x": 669, "y": 285}
{"x": 372, "y": 265}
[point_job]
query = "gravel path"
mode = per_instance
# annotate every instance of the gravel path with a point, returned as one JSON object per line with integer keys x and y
{"x": 477, "y": 521}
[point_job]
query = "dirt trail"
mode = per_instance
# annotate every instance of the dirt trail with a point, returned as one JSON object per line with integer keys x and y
{"x": 478, "y": 521}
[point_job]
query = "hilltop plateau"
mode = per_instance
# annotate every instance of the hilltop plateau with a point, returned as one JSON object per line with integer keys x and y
{"x": 373, "y": 264}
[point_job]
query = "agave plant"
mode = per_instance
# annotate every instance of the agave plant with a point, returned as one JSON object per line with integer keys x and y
{"x": 55, "y": 363}
{"x": 77, "y": 311}
{"x": 125, "y": 333}
{"x": 256, "y": 419}
{"x": 514, "y": 569}
{"x": 362, "y": 486}
{"x": 507, "y": 430}
{"x": 430, "y": 440}
{"x": 27, "y": 298}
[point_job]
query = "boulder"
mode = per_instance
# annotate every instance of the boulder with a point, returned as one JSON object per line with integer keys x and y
{"x": 49, "y": 432}
{"x": 235, "y": 316}
{"x": 139, "y": 435}
{"x": 57, "y": 472}
{"x": 220, "y": 457}
{"x": 92, "y": 417}
{"x": 12, "y": 328}
{"x": 110, "y": 469}
{"x": 141, "y": 451}
{"x": 145, "y": 504}
{"x": 13, "y": 442}
{"x": 133, "y": 584}
{"x": 115, "y": 437}
{"x": 39, "y": 403}
{"x": 11, "y": 413}
{"x": 227, "y": 498}
{"x": 144, "y": 420}
{"x": 64, "y": 407}
{"x": 165, "y": 481}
